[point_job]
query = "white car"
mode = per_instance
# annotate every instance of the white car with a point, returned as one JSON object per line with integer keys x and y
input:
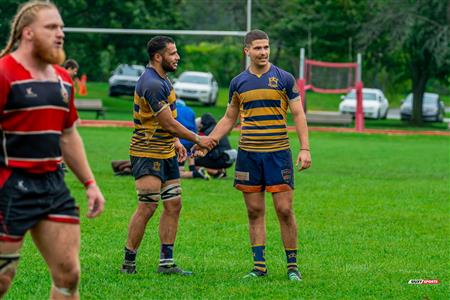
{"x": 124, "y": 79}
{"x": 375, "y": 104}
{"x": 197, "y": 86}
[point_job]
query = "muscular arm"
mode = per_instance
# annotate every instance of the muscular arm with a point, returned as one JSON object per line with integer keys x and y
{"x": 75, "y": 157}
{"x": 226, "y": 124}
{"x": 301, "y": 128}
{"x": 177, "y": 129}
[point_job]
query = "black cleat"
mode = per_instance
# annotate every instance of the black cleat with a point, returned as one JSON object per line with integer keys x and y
{"x": 173, "y": 269}
{"x": 128, "y": 269}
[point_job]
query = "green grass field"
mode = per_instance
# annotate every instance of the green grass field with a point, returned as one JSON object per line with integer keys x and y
{"x": 372, "y": 214}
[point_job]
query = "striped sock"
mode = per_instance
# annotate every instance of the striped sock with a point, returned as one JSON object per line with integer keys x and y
{"x": 259, "y": 260}
{"x": 166, "y": 256}
{"x": 130, "y": 257}
{"x": 291, "y": 257}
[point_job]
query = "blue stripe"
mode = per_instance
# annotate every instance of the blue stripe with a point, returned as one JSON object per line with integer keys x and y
{"x": 262, "y": 103}
{"x": 263, "y": 127}
{"x": 136, "y": 121}
{"x": 264, "y": 134}
{"x": 136, "y": 107}
{"x": 173, "y": 106}
{"x": 263, "y": 118}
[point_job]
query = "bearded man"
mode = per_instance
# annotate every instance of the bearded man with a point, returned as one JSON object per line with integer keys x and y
{"x": 37, "y": 131}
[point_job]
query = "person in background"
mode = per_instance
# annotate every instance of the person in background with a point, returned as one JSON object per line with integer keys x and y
{"x": 71, "y": 67}
{"x": 186, "y": 116}
{"x": 222, "y": 156}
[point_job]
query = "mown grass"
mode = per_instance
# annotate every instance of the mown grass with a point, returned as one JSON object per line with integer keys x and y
{"x": 372, "y": 214}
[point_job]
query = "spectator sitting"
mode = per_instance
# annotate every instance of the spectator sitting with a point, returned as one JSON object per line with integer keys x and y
{"x": 186, "y": 116}
{"x": 219, "y": 158}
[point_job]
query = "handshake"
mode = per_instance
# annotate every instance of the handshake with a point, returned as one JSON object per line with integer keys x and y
{"x": 203, "y": 145}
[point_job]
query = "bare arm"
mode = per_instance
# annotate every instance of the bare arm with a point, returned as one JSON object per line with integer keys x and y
{"x": 75, "y": 157}
{"x": 226, "y": 124}
{"x": 301, "y": 127}
{"x": 167, "y": 121}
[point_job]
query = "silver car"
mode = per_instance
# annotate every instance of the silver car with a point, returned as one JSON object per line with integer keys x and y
{"x": 197, "y": 86}
{"x": 433, "y": 109}
{"x": 124, "y": 79}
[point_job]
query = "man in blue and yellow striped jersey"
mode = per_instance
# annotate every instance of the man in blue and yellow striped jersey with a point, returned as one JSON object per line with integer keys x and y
{"x": 260, "y": 96}
{"x": 153, "y": 153}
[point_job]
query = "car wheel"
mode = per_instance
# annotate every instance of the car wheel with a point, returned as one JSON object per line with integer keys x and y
{"x": 112, "y": 94}
{"x": 385, "y": 114}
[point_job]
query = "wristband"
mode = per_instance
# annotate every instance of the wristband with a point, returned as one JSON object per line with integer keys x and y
{"x": 304, "y": 149}
{"x": 88, "y": 183}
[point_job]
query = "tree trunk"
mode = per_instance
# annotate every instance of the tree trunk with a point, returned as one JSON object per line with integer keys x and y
{"x": 420, "y": 76}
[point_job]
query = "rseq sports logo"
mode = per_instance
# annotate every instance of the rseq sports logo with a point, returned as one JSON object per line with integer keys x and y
{"x": 424, "y": 281}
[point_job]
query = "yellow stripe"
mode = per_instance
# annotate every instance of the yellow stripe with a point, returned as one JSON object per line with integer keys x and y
{"x": 263, "y": 111}
{"x": 258, "y": 245}
{"x": 275, "y": 130}
{"x": 263, "y": 94}
{"x": 264, "y": 123}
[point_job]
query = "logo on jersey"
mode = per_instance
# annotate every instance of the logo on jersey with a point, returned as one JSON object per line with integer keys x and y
{"x": 273, "y": 82}
{"x": 156, "y": 166}
{"x": 30, "y": 93}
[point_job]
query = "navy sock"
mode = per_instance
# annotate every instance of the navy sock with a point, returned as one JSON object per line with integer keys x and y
{"x": 291, "y": 257}
{"x": 166, "y": 255}
{"x": 259, "y": 260}
{"x": 192, "y": 168}
{"x": 130, "y": 256}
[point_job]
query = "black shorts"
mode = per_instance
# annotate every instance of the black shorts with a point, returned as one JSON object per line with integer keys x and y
{"x": 26, "y": 199}
{"x": 164, "y": 169}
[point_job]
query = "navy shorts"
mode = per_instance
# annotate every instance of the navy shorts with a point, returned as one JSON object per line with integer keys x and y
{"x": 264, "y": 171}
{"x": 164, "y": 169}
{"x": 26, "y": 199}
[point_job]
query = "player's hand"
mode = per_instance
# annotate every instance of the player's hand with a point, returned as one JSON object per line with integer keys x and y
{"x": 197, "y": 151}
{"x": 207, "y": 142}
{"x": 303, "y": 160}
{"x": 96, "y": 201}
{"x": 181, "y": 152}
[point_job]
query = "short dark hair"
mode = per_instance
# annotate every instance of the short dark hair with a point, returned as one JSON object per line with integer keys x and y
{"x": 71, "y": 64}
{"x": 158, "y": 43}
{"x": 255, "y": 35}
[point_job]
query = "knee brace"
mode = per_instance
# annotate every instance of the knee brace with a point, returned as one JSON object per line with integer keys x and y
{"x": 8, "y": 262}
{"x": 149, "y": 197}
{"x": 170, "y": 192}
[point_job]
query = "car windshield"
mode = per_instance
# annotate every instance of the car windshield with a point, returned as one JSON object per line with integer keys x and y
{"x": 129, "y": 71}
{"x": 193, "y": 79}
{"x": 427, "y": 99}
{"x": 366, "y": 96}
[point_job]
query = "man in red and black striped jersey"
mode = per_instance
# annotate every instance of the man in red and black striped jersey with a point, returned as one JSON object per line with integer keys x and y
{"x": 37, "y": 130}
{"x": 261, "y": 96}
{"x": 154, "y": 151}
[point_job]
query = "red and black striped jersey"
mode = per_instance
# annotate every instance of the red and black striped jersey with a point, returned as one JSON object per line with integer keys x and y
{"x": 33, "y": 114}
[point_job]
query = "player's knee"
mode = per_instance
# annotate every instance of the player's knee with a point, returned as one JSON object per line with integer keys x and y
{"x": 146, "y": 210}
{"x": 5, "y": 283}
{"x": 255, "y": 213}
{"x": 66, "y": 280}
{"x": 173, "y": 207}
{"x": 8, "y": 265}
{"x": 285, "y": 213}
{"x": 171, "y": 192}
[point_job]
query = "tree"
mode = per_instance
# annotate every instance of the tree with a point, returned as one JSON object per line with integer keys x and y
{"x": 419, "y": 29}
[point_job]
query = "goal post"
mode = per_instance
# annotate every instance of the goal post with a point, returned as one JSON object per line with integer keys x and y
{"x": 332, "y": 78}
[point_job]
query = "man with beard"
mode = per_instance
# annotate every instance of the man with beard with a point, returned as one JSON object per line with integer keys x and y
{"x": 261, "y": 96}
{"x": 37, "y": 130}
{"x": 153, "y": 154}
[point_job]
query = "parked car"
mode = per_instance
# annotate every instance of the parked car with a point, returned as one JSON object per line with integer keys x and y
{"x": 433, "y": 109}
{"x": 375, "y": 104}
{"x": 124, "y": 79}
{"x": 197, "y": 86}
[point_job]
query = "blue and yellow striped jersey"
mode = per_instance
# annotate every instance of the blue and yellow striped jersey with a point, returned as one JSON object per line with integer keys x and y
{"x": 263, "y": 103}
{"x": 152, "y": 94}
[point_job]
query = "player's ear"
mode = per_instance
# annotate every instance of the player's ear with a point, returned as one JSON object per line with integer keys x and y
{"x": 246, "y": 51}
